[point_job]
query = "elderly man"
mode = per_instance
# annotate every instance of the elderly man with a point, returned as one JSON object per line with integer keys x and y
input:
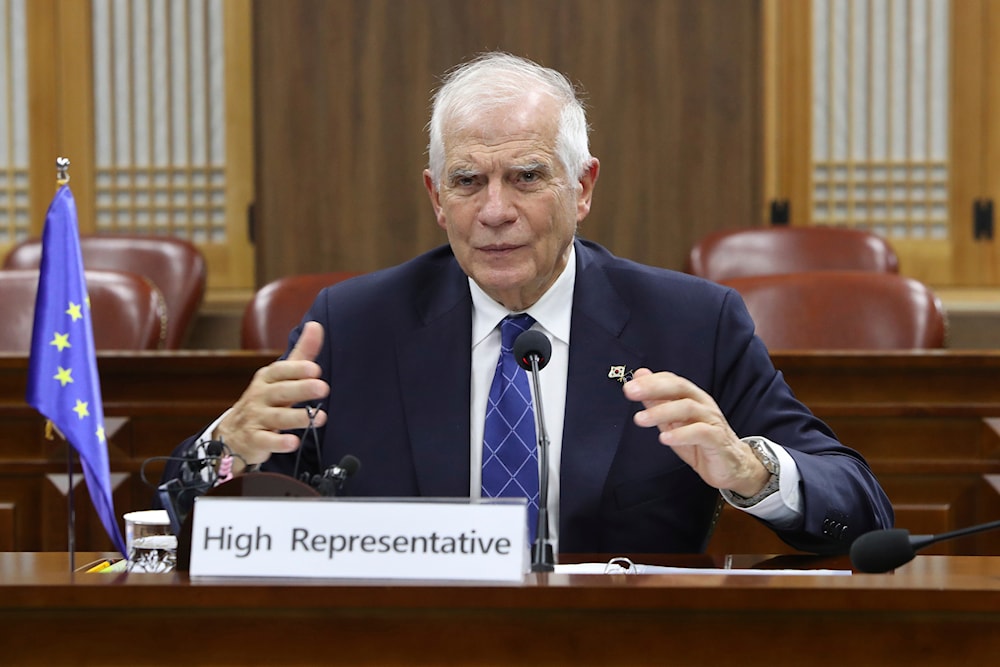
{"x": 658, "y": 398}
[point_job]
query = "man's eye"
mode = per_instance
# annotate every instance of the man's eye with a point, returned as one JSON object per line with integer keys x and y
{"x": 530, "y": 176}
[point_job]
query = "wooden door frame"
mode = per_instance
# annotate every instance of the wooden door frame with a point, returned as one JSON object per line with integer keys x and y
{"x": 974, "y": 138}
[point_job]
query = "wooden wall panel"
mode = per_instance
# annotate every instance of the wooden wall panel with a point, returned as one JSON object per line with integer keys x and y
{"x": 7, "y": 522}
{"x": 342, "y": 98}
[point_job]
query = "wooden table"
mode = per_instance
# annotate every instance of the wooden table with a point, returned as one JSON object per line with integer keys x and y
{"x": 937, "y": 610}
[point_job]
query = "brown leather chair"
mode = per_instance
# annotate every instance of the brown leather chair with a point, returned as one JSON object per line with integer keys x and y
{"x": 175, "y": 266}
{"x": 843, "y": 310}
{"x": 276, "y": 308}
{"x": 127, "y": 310}
{"x": 765, "y": 250}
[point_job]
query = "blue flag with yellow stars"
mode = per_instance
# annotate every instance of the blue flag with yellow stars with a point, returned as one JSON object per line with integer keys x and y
{"x": 63, "y": 383}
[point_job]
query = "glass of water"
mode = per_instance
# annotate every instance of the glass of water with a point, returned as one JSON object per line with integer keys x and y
{"x": 151, "y": 546}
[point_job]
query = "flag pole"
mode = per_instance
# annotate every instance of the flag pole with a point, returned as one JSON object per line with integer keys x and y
{"x": 62, "y": 178}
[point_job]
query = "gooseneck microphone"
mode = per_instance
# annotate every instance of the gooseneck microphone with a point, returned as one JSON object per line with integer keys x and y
{"x": 532, "y": 350}
{"x": 883, "y": 550}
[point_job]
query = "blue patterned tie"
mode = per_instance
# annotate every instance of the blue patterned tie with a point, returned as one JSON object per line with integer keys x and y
{"x": 510, "y": 453}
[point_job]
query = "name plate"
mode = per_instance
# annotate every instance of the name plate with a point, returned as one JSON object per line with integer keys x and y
{"x": 439, "y": 539}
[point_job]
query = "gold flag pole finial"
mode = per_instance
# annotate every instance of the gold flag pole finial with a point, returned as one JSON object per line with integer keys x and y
{"x": 62, "y": 170}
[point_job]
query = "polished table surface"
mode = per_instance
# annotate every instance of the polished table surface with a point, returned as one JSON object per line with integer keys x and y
{"x": 936, "y": 610}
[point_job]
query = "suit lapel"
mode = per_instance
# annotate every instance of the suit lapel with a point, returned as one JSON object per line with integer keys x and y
{"x": 435, "y": 367}
{"x": 597, "y": 413}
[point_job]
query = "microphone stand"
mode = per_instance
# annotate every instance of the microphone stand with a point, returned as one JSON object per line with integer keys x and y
{"x": 542, "y": 556}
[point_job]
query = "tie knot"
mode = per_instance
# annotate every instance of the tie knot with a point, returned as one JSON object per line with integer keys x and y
{"x": 511, "y": 327}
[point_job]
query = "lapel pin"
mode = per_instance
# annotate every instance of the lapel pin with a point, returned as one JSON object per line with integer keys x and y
{"x": 619, "y": 373}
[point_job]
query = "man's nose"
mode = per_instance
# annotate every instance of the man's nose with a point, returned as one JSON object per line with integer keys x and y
{"x": 499, "y": 206}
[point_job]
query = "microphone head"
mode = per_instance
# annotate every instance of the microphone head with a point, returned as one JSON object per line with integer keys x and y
{"x": 350, "y": 465}
{"x": 882, "y": 550}
{"x": 532, "y": 343}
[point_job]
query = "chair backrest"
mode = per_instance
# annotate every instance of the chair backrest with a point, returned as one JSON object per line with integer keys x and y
{"x": 127, "y": 310}
{"x": 276, "y": 308}
{"x": 175, "y": 266}
{"x": 765, "y": 250}
{"x": 843, "y": 310}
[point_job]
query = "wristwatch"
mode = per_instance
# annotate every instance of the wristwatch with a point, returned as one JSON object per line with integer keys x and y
{"x": 763, "y": 452}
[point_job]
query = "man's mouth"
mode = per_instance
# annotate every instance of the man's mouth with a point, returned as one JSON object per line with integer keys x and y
{"x": 500, "y": 247}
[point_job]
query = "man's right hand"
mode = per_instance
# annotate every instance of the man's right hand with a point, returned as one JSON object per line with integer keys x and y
{"x": 251, "y": 429}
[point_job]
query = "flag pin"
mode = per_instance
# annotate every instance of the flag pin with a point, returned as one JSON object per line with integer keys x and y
{"x": 619, "y": 373}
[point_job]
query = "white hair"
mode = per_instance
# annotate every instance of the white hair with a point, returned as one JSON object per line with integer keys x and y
{"x": 494, "y": 80}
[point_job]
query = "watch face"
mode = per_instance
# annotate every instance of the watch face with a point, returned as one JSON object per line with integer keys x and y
{"x": 761, "y": 451}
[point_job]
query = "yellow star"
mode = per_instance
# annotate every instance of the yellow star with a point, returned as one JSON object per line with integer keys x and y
{"x": 74, "y": 311}
{"x": 61, "y": 341}
{"x": 81, "y": 409}
{"x": 100, "y": 433}
{"x": 64, "y": 376}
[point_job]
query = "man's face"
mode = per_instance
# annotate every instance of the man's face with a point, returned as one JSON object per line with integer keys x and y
{"x": 506, "y": 203}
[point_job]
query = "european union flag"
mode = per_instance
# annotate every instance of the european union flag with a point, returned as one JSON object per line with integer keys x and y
{"x": 63, "y": 383}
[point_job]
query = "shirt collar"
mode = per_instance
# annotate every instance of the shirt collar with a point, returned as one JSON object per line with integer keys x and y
{"x": 552, "y": 311}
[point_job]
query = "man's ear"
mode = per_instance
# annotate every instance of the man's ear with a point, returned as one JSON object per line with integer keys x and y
{"x": 435, "y": 197}
{"x": 587, "y": 182}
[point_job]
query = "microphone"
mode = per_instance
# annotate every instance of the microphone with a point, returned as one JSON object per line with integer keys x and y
{"x": 331, "y": 482}
{"x": 532, "y": 350}
{"x": 197, "y": 476}
{"x": 193, "y": 463}
{"x": 883, "y": 550}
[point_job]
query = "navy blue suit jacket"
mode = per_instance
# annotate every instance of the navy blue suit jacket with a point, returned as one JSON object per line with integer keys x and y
{"x": 397, "y": 356}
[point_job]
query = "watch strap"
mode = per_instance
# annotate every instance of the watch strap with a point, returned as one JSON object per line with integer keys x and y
{"x": 766, "y": 456}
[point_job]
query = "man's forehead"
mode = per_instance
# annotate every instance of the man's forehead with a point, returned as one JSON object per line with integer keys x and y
{"x": 478, "y": 148}
{"x": 499, "y": 155}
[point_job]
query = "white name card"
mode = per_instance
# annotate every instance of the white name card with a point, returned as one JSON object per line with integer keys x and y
{"x": 441, "y": 539}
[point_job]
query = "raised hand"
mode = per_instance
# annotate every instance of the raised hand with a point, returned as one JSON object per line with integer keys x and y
{"x": 691, "y": 422}
{"x": 252, "y": 427}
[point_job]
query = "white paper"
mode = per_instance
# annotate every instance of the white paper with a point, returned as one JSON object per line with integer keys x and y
{"x": 639, "y": 568}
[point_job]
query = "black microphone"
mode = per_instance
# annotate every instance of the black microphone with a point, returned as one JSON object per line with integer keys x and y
{"x": 197, "y": 476}
{"x": 532, "y": 350}
{"x": 331, "y": 482}
{"x": 883, "y": 550}
{"x": 194, "y": 463}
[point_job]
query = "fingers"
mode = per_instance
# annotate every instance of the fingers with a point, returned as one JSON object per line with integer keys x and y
{"x": 274, "y": 419}
{"x": 299, "y": 364}
{"x": 309, "y": 344}
{"x": 285, "y": 383}
{"x": 646, "y": 386}
{"x": 669, "y": 400}
{"x": 267, "y": 433}
{"x": 684, "y": 414}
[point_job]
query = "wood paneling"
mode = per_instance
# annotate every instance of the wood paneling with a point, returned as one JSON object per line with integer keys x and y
{"x": 7, "y": 537}
{"x": 342, "y": 98}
